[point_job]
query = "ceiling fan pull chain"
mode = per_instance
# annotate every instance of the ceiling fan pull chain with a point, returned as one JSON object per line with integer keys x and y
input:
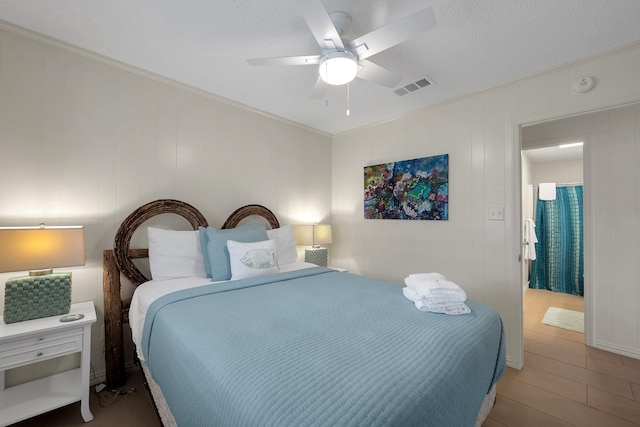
{"x": 326, "y": 95}
{"x": 348, "y": 98}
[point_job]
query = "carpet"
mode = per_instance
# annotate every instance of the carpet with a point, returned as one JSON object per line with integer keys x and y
{"x": 565, "y": 319}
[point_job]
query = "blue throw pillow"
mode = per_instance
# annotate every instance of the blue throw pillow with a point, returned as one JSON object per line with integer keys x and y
{"x": 203, "y": 244}
{"x": 214, "y": 246}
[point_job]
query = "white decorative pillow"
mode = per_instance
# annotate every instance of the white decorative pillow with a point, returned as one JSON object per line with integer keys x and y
{"x": 175, "y": 254}
{"x": 252, "y": 259}
{"x": 285, "y": 244}
{"x": 215, "y": 251}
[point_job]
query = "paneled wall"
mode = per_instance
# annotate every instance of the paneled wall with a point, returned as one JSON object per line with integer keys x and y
{"x": 614, "y": 156}
{"x": 568, "y": 172}
{"x": 85, "y": 141}
{"x": 480, "y": 133}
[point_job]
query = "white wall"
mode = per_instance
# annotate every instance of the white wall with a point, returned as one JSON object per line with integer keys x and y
{"x": 614, "y": 156}
{"x": 481, "y": 134}
{"x": 560, "y": 172}
{"x": 86, "y": 141}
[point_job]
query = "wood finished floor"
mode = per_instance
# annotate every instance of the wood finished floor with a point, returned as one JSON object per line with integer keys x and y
{"x": 564, "y": 382}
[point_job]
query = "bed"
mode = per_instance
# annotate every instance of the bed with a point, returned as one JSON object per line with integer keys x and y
{"x": 301, "y": 346}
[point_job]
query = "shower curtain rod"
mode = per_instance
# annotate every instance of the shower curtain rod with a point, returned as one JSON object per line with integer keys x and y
{"x": 568, "y": 184}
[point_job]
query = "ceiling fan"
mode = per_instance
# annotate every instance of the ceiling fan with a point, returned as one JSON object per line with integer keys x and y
{"x": 342, "y": 60}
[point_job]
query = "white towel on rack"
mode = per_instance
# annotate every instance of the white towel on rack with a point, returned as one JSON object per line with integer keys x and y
{"x": 530, "y": 239}
{"x": 547, "y": 191}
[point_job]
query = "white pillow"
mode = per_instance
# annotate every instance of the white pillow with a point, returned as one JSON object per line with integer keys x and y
{"x": 174, "y": 254}
{"x": 285, "y": 244}
{"x": 252, "y": 259}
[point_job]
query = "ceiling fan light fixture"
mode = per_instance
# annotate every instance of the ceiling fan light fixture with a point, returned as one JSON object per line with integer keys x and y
{"x": 338, "y": 68}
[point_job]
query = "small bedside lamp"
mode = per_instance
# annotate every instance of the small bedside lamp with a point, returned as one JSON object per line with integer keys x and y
{"x": 39, "y": 249}
{"x": 314, "y": 236}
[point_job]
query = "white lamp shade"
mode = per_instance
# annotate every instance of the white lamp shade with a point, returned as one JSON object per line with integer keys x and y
{"x": 303, "y": 234}
{"x": 338, "y": 68}
{"x": 35, "y": 248}
{"x": 313, "y": 235}
{"x": 322, "y": 234}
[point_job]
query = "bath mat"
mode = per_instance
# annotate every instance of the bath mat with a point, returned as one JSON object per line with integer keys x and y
{"x": 565, "y": 319}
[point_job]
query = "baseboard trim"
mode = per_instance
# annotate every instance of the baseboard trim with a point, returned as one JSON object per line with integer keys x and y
{"x": 618, "y": 349}
{"x": 509, "y": 362}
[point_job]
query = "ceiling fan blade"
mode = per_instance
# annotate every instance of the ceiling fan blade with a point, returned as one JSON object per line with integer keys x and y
{"x": 377, "y": 74}
{"x": 320, "y": 24}
{"x": 286, "y": 60}
{"x": 392, "y": 34}
{"x": 319, "y": 89}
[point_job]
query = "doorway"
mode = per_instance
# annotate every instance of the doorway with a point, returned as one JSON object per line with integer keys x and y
{"x": 552, "y": 164}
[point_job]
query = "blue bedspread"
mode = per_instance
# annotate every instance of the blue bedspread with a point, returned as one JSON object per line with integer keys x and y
{"x": 319, "y": 348}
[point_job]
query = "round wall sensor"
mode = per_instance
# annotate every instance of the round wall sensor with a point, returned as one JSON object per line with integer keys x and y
{"x": 583, "y": 85}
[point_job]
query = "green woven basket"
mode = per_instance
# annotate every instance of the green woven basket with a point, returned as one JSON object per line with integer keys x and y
{"x": 32, "y": 297}
{"x": 316, "y": 256}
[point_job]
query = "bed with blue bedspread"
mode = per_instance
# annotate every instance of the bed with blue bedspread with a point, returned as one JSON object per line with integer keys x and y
{"x": 315, "y": 347}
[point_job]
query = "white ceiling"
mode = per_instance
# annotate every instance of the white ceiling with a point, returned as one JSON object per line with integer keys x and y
{"x": 553, "y": 154}
{"x": 475, "y": 45}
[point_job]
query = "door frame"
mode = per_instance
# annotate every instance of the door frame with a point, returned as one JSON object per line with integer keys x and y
{"x": 517, "y": 360}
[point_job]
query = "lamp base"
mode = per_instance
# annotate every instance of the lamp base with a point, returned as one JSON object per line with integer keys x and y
{"x": 41, "y": 272}
{"x": 33, "y": 297}
{"x": 316, "y": 256}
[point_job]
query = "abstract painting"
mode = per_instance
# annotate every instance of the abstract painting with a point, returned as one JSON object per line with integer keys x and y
{"x": 408, "y": 189}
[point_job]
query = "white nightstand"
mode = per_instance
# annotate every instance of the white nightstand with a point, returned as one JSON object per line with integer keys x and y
{"x": 31, "y": 341}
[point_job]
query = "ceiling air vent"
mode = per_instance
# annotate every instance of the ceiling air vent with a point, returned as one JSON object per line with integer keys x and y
{"x": 412, "y": 87}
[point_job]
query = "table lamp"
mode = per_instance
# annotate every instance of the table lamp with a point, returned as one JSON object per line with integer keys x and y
{"x": 39, "y": 249}
{"x": 314, "y": 236}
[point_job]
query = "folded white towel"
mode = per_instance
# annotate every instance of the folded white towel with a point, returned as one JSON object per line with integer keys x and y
{"x": 453, "y": 309}
{"x": 429, "y": 302}
{"x": 547, "y": 191}
{"x": 427, "y": 276}
{"x": 429, "y": 281}
{"x": 433, "y": 303}
{"x": 427, "y": 287}
{"x": 411, "y": 294}
{"x": 444, "y": 295}
{"x": 434, "y": 293}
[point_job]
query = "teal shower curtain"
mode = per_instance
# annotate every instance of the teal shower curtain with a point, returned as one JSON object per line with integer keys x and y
{"x": 559, "y": 263}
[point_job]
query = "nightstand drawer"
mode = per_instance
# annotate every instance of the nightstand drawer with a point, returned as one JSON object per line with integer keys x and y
{"x": 34, "y": 348}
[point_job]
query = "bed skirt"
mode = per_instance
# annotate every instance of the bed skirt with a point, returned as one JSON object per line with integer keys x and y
{"x": 168, "y": 421}
{"x": 487, "y": 405}
{"x": 161, "y": 404}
